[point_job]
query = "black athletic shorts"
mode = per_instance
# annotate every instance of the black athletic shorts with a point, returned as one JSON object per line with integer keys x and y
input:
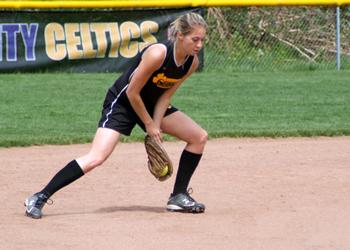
{"x": 120, "y": 117}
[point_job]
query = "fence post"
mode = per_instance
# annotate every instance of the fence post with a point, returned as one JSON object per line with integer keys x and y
{"x": 338, "y": 38}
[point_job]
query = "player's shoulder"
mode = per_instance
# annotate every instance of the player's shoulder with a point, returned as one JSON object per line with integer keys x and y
{"x": 155, "y": 55}
{"x": 156, "y": 51}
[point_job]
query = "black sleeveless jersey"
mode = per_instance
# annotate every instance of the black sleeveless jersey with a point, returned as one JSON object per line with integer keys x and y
{"x": 168, "y": 75}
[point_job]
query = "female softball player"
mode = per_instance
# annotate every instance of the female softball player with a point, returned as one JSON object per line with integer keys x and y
{"x": 142, "y": 96}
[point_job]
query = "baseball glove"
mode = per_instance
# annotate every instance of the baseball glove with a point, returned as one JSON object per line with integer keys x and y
{"x": 159, "y": 163}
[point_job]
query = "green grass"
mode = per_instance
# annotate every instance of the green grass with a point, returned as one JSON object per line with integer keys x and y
{"x": 65, "y": 108}
{"x": 272, "y": 104}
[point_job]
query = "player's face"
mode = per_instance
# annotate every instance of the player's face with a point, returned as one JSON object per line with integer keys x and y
{"x": 193, "y": 42}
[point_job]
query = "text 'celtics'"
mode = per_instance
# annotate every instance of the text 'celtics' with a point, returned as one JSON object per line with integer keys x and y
{"x": 98, "y": 40}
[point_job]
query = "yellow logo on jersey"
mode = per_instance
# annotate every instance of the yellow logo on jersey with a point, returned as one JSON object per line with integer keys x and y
{"x": 164, "y": 82}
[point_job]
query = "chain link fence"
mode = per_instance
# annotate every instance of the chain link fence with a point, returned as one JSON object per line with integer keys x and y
{"x": 275, "y": 38}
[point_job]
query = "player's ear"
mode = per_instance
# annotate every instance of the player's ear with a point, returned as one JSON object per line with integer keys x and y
{"x": 180, "y": 36}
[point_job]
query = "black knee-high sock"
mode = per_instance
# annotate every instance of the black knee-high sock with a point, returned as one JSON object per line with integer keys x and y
{"x": 187, "y": 166}
{"x": 65, "y": 176}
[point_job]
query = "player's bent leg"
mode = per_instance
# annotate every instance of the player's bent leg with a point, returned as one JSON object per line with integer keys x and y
{"x": 181, "y": 126}
{"x": 184, "y": 128}
{"x": 102, "y": 146}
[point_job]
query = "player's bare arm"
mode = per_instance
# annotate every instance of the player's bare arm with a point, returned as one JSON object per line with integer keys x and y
{"x": 151, "y": 61}
{"x": 164, "y": 100}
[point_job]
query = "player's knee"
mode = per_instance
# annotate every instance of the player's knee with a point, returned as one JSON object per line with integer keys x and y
{"x": 96, "y": 161}
{"x": 202, "y": 137}
{"x": 100, "y": 159}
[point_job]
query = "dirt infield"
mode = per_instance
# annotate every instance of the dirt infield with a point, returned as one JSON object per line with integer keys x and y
{"x": 288, "y": 193}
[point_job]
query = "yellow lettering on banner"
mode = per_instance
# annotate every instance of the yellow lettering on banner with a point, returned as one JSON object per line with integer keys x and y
{"x": 129, "y": 31}
{"x": 100, "y": 31}
{"x": 115, "y": 39}
{"x": 86, "y": 41}
{"x": 91, "y": 40}
{"x": 73, "y": 41}
{"x": 54, "y": 32}
{"x": 147, "y": 29}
